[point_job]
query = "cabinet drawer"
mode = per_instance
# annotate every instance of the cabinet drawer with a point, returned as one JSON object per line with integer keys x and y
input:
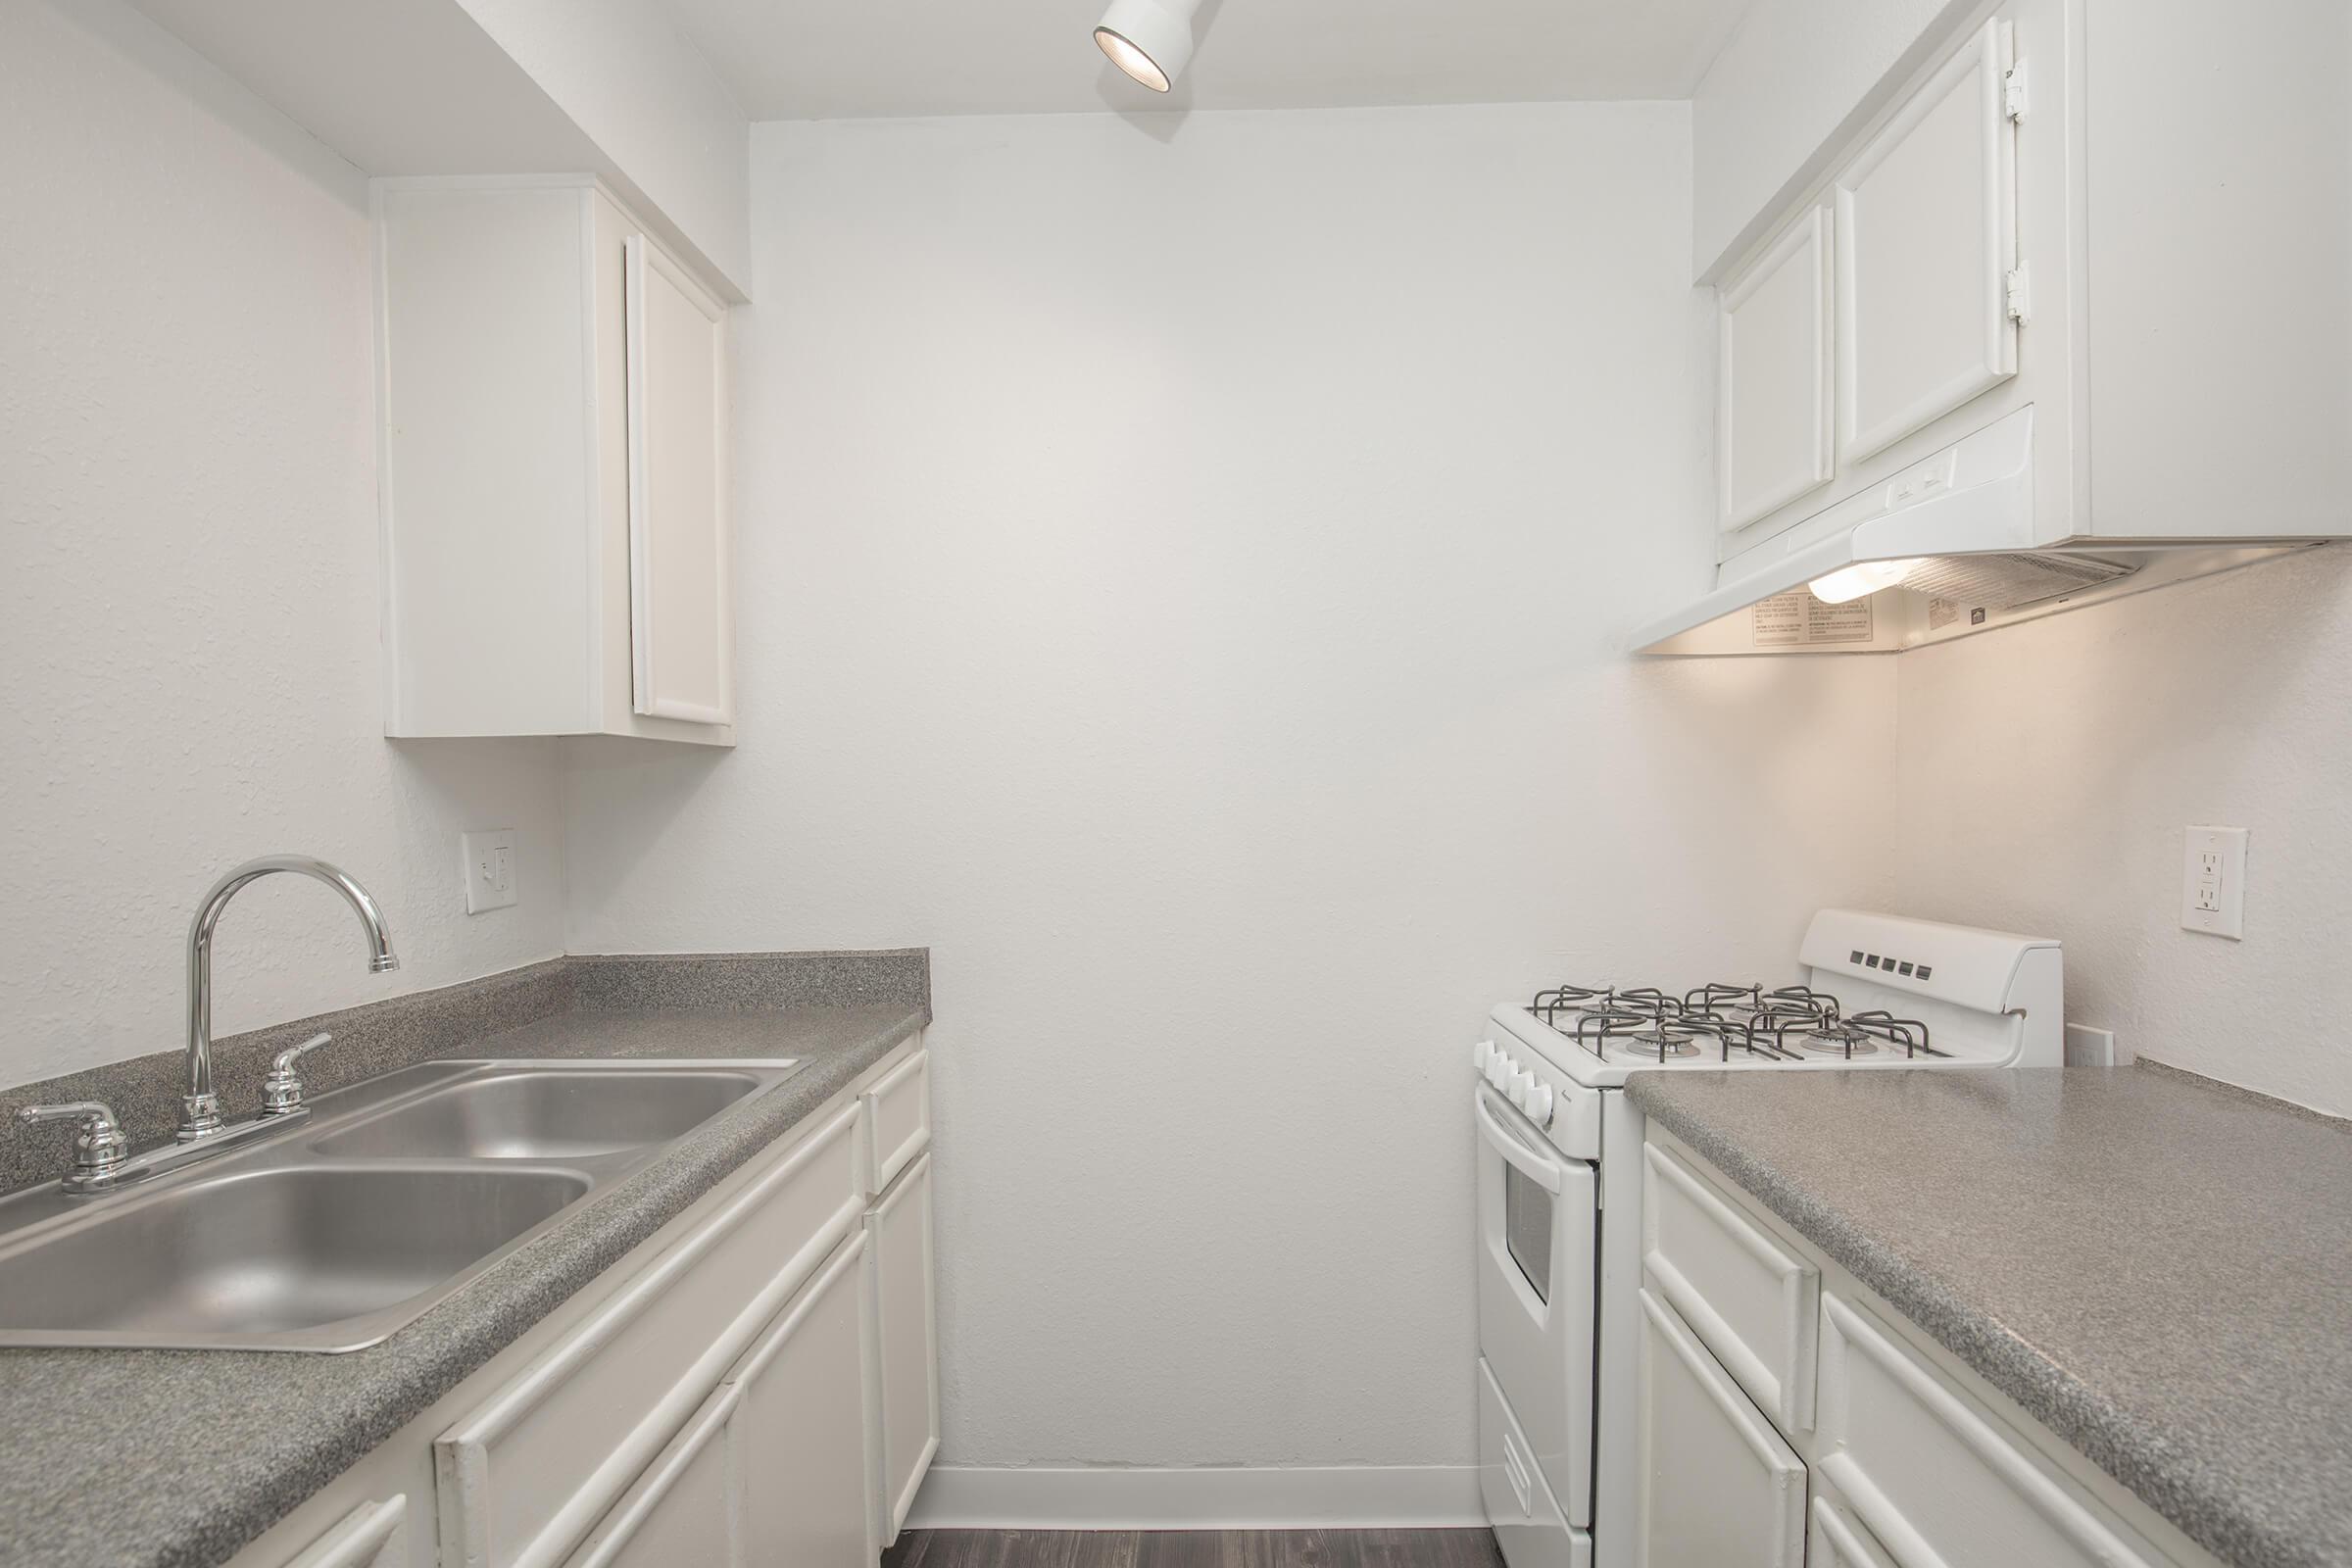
{"x": 524, "y": 1476}
{"x": 1751, "y": 1301}
{"x": 1938, "y": 1481}
{"x": 899, "y": 1116}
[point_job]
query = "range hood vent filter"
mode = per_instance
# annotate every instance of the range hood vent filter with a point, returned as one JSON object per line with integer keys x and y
{"x": 2013, "y": 579}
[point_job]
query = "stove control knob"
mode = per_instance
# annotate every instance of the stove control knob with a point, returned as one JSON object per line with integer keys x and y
{"x": 1516, "y": 1090}
{"x": 1499, "y": 1068}
{"x": 1482, "y": 1053}
{"x": 1538, "y": 1104}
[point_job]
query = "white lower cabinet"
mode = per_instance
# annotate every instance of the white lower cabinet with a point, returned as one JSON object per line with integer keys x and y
{"x": 756, "y": 1384}
{"x": 905, "y": 1338}
{"x": 1718, "y": 1487}
{"x": 769, "y": 1470}
{"x": 1900, "y": 1465}
{"x": 1932, "y": 1475}
{"x": 526, "y": 1472}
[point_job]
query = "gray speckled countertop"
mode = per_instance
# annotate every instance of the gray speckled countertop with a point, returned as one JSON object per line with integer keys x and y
{"x": 2156, "y": 1267}
{"x": 176, "y": 1459}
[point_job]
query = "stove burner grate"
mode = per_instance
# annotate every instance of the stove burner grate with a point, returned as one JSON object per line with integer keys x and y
{"x": 1865, "y": 1034}
{"x": 1789, "y": 1023}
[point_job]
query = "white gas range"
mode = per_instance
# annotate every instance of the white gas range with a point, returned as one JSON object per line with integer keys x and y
{"x": 1559, "y": 1195}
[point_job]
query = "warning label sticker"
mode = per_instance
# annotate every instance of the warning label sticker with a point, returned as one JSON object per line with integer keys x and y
{"x": 1797, "y": 619}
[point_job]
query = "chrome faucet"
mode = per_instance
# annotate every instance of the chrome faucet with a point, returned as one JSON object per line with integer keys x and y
{"x": 200, "y": 1107}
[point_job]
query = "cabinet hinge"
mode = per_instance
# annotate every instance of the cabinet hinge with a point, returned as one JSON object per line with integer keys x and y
{"x": 2016, "y": 293}
{"x": 2013, "y": 91}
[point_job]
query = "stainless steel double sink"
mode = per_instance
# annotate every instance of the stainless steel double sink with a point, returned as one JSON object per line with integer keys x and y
{"x": 357, "y": 1219}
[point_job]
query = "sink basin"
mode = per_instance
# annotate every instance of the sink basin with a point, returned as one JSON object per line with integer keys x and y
{"x": 276, "y": 1252}
{"x": 356, "y": 1218}
{"x": 544, "y": 1114}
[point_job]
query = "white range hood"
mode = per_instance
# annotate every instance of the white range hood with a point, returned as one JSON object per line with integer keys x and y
{"x": 1957, "y": 535}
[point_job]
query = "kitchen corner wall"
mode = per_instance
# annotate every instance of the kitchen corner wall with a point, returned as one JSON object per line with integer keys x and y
{"x": 1182, "y": 567}
{"x": 2047, "y": 771}
{"x": 632, "y": 81}
{"x": 188, "y": 570}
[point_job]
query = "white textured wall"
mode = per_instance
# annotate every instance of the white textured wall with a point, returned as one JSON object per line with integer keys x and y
{"x": 2047, "y": 773}
{"x": 1794, "y": 73}
{"x": 187, "y": 570}
{"x": 1182, "y": 571}
{"x": 637, "y": 84}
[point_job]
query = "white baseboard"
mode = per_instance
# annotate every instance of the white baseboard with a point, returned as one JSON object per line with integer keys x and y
{"x": 1206, "y": 1497}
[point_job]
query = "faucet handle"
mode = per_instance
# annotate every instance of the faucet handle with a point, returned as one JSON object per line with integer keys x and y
{"x": 99, "y": 1146}
{"x": 281, "y": 1091}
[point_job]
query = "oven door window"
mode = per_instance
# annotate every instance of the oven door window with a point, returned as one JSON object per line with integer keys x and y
{"x": 1527, "y": 1229}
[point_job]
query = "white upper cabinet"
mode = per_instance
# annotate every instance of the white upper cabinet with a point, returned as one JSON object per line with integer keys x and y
{"x": 1927, "y": 238}
{"x": 2085, "y": 221}
{"x": 680, "y": 606}
{"x": 1775, "y": 388}
{"x": 552, "y": 468}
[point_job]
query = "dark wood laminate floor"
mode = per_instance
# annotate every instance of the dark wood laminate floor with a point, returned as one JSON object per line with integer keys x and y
{"x": 1194, "y": 1548}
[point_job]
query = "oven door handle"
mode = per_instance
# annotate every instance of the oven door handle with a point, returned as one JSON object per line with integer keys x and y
{"x": 1545, "y": 1173}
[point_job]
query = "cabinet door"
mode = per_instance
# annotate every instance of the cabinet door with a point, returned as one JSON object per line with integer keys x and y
{"x": 1718, "y": 1487}
{"x": 769, "y": 1470}
{"x": 906, "y": 1338}
{"x": 1927, "y": 235}
{"x": 797, "y": 1437}
{"x": 681, "y": 1509}
{"x": 680, "y": 596}
{"x": 1773, "y": 407}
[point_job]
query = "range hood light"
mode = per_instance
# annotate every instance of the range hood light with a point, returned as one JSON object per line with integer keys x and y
{"x": 1149, "y": 39}
{"x": 1849, "y": 583}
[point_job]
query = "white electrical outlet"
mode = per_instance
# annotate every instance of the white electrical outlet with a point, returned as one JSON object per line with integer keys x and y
{"x": 2213, "y": 882}
{"x": 2089, "y": 1047}
{"x": 488, "y": 867}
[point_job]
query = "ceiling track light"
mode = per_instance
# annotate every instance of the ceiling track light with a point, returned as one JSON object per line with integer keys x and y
{"x": 1149, "y": 39}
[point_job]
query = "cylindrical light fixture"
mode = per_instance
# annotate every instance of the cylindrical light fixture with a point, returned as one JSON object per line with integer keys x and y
{"x": 1149, "y": 39}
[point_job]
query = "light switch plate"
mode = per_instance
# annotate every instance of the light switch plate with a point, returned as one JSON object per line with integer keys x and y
{"x": 487, "y": 863}
{"x": 2213, "y": 882}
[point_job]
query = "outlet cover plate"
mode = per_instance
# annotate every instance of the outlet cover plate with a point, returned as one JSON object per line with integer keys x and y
{"x": 2213, "y": 882}
{"x": 486, "y": 860}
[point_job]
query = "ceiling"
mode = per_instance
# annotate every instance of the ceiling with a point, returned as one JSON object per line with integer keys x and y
{"x": 843, "y": 58}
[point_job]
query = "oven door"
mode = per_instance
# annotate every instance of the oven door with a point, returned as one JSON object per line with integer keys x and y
{"x": 1538, "y": 1284}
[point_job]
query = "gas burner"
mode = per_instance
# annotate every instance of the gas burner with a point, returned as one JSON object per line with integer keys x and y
{"x": 1827, "y": 1038}
{"x": 1642, "y": 1025}
{"x": 1731, "y": 1026}
{"x": 1753, "y": 1004}
{"x": 1666, "y": 1040}
{"x": 1550, "y": 1004}
{"x": 1718, "y": 998}
{"x": 1865, "y": 1034}
{"x": 1650, "y": 1002}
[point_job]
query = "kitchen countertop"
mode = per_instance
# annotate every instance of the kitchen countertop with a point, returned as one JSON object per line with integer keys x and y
{"x": 175, "y": 1458}
{"x": 2156, "y": 1267}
